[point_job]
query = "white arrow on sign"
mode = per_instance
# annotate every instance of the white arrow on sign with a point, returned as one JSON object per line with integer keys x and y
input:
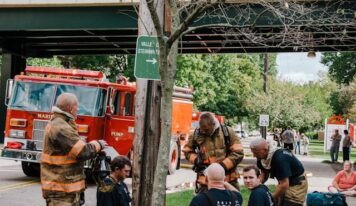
{"x": 153, "y": 61}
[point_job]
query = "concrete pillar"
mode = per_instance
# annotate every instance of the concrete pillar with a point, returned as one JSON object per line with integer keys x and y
{"x": 11, "y": 66}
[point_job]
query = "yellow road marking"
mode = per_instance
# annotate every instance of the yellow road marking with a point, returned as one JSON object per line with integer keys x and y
{"x": 18, "y": 185}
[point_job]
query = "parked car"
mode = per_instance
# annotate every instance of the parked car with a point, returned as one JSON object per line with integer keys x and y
{"x": 241, "y": 133}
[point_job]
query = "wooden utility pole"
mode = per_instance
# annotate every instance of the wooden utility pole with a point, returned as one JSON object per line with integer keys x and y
{"x": 147, "y": 120}
{"x": 265, "y": 72}
{"x": 265, "y": 80}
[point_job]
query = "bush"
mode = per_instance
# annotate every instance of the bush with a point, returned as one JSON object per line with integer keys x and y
{"x": 312, "y": 134}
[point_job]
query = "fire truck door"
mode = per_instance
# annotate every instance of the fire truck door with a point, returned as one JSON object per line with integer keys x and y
{"x": 120, "y": 124}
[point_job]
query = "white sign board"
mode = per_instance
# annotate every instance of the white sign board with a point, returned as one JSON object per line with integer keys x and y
{"x": 264, "y": 120}
{"x": 329, "y": 131}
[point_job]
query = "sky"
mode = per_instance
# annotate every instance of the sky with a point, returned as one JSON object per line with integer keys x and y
{"x": 299, "y": 68}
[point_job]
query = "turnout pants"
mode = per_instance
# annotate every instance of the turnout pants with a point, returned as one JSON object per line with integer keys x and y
{"x": 295, "y": 195}
{"x": 70, "y": 199}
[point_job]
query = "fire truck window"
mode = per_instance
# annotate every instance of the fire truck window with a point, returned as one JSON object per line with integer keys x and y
{"x": 117, "y": 103}
{"x": 32, "y": 96}
{"x": 127, "y": 109}
{"x": 102, "y": 103}
{"x": 90, "y": 98}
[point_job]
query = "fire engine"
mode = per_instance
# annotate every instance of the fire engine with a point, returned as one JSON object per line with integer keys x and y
{"x": 106, "y": 111}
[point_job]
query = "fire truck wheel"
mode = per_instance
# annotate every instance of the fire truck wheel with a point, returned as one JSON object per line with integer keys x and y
{"x": 31, "y": 169}
{"x": 173, "y": 158}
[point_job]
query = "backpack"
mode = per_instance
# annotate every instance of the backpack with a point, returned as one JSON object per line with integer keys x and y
{"x": 326, "y": 199}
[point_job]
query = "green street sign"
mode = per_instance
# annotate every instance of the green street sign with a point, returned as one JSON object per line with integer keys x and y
{"x": 147, "y": 58}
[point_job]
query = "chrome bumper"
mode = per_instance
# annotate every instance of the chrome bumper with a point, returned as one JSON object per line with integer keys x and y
{"x": 20, "y": 155}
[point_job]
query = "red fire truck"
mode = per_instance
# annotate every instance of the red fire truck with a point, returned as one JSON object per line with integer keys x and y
{"x": 106, "y": 111}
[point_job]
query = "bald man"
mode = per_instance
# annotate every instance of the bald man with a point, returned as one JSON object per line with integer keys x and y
{"x": 219, "y": 192}
{"x": 63, "y": 155}
{"x": 286, "y": 168}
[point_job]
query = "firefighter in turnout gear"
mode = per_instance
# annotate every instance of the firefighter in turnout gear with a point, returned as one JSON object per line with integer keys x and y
{"x": 213, "y": 143}
{"x": 63, "y": 155}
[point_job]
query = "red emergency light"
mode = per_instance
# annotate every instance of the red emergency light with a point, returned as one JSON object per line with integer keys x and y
{"x": 77, "y": 73}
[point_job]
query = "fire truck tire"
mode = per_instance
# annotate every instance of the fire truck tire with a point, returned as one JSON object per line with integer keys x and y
{"x": 31, "y": 169}
{"x": 173, "y": 158}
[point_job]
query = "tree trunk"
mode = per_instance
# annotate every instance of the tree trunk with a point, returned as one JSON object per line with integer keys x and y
{"x": 147, "y": 123}
{"x": 167, "y": 83}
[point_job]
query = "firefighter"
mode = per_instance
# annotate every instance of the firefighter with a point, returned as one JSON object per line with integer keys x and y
{"x": 113, "y": 191}
{"x": 211, "y": 143}
{"x": 63, "y": 155}
{"x": 281, "y": 164}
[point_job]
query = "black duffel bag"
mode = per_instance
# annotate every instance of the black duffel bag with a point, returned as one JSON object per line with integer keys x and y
{"x": 326, "y": 199}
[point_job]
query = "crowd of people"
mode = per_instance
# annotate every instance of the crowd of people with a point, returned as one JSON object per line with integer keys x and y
{"x": 213, "y": 149}
{"x": 292, "y": 140}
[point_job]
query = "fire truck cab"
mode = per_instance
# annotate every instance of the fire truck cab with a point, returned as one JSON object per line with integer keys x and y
{"x": 106, "y": 111}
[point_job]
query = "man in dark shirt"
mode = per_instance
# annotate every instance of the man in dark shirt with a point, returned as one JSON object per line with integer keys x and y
{"x": 346, "y": 144}
{"x": 260, "y": 194}
{"x": 112, "y": 191}
{"x": 286, "y": 168}
{"x": 219, "y": 192}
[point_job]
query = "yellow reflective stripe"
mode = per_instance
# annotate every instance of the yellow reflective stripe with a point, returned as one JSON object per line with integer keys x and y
{"x": 231, "y": 177}
{"x": 228, "y": 163}
{"x": 64, "y": 159}
{"x": 56, "y": 160}
{"x": 76, "y": 149}
{"x": 97, "y": 145}
{"x": 63, "y": 187}
{"x": 236, "y": 147}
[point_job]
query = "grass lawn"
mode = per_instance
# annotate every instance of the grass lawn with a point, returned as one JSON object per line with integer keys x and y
{"x": 316, "y": 149}
{"x": 183, "y": 198}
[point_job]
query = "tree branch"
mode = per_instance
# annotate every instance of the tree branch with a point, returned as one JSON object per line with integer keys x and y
{"x": 199, "y": 8}
{"x": 155, "y": 19}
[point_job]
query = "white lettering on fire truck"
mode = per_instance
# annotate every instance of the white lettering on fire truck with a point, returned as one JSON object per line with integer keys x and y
{"x": 117, "y": 134}
{"x": 44, "y": 116}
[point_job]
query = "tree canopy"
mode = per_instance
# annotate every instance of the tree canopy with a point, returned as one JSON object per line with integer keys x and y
{"x": 342, "y": 66}
{"x": 302, "y": 107}
{"x": 221, "y": 83}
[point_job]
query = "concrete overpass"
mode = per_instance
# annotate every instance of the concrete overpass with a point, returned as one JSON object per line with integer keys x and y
{"x": 43, "y": 28}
